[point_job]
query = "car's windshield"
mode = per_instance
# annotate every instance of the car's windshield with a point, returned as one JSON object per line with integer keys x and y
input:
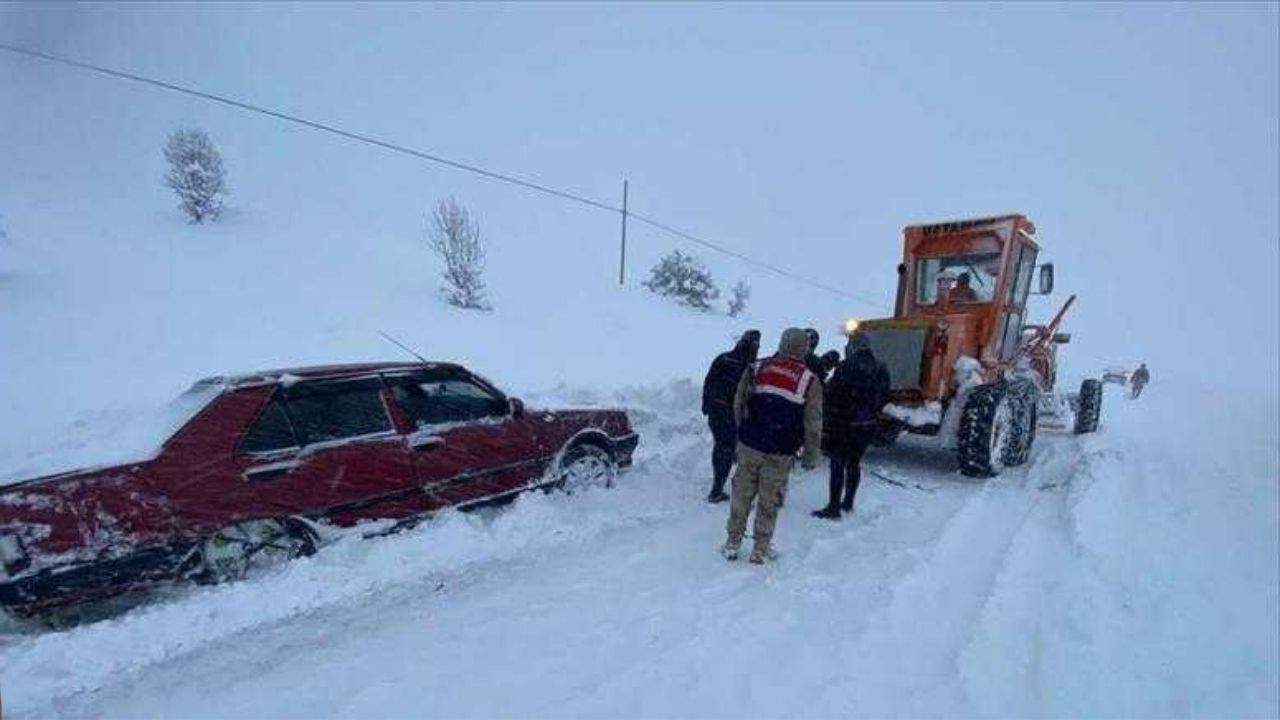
{"x": 971, "y": 277}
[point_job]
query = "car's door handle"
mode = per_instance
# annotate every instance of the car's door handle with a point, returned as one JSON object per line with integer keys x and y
{"x": 270, "y": 471}
{"x": 424, "y": 441}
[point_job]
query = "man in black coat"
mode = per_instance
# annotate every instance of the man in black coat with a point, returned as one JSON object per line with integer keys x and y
{"x": 811, "y": 360}
{"x": 717, "y": 404}
{"x": 1139, "y": 380}
{"x": 829, "y": 361}
{"x": 853, "y": 399}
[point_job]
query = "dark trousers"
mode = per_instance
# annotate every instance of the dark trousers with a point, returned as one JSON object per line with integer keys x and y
{"x": 724, "y": 431}
{"x": 846, "y": 472}
{"x": 1137, "y": 389}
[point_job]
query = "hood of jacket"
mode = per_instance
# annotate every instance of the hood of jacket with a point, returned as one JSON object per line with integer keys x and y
{"x": 794, "y": 344}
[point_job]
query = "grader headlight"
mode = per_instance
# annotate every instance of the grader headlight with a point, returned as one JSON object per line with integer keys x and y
{"x": 851, "y": 326}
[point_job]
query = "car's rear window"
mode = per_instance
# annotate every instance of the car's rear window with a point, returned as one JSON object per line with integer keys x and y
{"x": 270, "y": 431}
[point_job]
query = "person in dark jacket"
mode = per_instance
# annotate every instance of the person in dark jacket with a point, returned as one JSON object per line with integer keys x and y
{"x": 830, "y": 360}
{"x": 1139, "y": 380}
{"x": 852, "y": 398}
{"x": 811, "y": 359}
{"x": 717, "y": 404}
{"x": 778, "y": 406}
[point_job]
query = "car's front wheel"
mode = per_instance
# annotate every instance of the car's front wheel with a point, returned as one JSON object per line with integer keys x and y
{"x": 584, "y": 466}
{"x": 231, "y": 552}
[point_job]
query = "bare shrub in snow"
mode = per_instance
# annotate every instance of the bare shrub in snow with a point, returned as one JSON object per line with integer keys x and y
{"x": 738, "y": 296}
{"x": 682, "y": 277}
{"x": 195, "y": 174}
{"x": 456, "y": 239}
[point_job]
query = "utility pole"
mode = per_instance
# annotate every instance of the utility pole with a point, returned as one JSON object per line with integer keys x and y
{"x": 622, "y": 261}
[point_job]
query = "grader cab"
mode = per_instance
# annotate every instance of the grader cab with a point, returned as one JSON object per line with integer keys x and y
{"x": 963, "y": 360}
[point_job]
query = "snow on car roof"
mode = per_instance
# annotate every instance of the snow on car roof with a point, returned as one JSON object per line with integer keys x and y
{"x": 137, "y": 440}
{"x": 322, "y": 371}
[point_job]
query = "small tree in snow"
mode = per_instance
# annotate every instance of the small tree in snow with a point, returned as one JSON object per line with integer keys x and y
{"x": 455, "y": 238}
{"x": 195, "y": 174}
{"x": 739, "y": 295}
{"x": 682, "y": 277}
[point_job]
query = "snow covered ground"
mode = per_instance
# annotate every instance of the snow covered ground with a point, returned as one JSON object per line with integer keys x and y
{"x": 1132, "y": 573}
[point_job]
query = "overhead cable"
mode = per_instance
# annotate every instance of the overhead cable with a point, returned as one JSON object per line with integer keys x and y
{"x": 431, "y": 157}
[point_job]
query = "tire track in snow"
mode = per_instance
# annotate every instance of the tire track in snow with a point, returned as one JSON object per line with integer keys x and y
{"x": 910, "y": 650}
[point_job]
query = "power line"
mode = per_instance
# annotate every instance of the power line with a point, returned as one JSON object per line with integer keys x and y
{"x": 394, "y": 147}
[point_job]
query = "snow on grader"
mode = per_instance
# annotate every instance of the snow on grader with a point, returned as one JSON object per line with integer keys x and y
{"x": 964, "y": 363}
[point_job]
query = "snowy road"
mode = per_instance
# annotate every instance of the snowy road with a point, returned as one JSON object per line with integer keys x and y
{"x": 1057, "y": 589}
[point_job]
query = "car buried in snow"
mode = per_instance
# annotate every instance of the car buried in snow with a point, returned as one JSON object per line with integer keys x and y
{"x": 258, "y": 468}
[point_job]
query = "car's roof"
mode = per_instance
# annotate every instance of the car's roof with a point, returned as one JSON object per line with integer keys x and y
{"x": 324, "y": 372}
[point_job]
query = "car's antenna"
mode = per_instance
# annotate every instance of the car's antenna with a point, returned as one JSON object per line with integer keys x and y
{"x": 401, "y": 345}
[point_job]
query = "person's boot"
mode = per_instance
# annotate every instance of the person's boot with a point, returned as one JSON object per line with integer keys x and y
{"x": 847, "y": 505}
{"x": 731, "y": 550}
{"x": 762, "y": 553}
{"x": 717, "y": 494}
{"x": 830, "y": 512}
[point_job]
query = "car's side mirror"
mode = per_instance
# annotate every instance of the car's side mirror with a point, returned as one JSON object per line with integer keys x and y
{"x": 1062, "y": 338}
{"x": 1046, "y": 279}
{"x": 517, "y": 407}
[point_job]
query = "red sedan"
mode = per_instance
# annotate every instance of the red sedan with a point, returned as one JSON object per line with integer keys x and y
{"x": 251, "y": 468}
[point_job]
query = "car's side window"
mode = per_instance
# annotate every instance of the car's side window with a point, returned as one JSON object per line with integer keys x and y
{"x": 270, "y": 431}
{"x": 322, "y": 412}
{"x": 432, "y": 401}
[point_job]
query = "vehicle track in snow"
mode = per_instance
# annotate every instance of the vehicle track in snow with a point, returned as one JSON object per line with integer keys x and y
{"x": 609, "y": 603}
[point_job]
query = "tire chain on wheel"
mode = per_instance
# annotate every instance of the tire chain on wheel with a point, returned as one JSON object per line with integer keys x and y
{"x": 1024, "y": 397}
{"x": 974, "y": 438}
{"x": 1090, "y": 409}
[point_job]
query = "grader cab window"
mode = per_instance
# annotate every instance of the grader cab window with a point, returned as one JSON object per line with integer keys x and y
{"x": 970, "y": 278}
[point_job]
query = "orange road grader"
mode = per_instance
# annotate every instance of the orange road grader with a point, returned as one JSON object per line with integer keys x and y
{"x": 964, "y": 363}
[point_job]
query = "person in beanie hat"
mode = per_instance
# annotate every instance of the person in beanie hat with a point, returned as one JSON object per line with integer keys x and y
{"x": 717, "y": 405}
{"x": 852, "y": 399}
{"x": 778, "y": 407}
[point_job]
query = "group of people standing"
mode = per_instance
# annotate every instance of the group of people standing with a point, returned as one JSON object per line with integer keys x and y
{"x": 764, "y": 414}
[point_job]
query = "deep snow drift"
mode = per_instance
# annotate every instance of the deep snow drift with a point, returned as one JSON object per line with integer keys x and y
{"x": 1129, "y": 573}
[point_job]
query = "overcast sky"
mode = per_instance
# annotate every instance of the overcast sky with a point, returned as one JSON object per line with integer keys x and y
{"x": 1141, "y": 139}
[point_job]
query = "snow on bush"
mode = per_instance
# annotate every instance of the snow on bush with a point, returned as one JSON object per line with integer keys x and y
{"x": 739, "y": 295}
{"x": 456, "y": 239}
{"x": 195, "y": 174}
{"x": 682, "y": 277}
